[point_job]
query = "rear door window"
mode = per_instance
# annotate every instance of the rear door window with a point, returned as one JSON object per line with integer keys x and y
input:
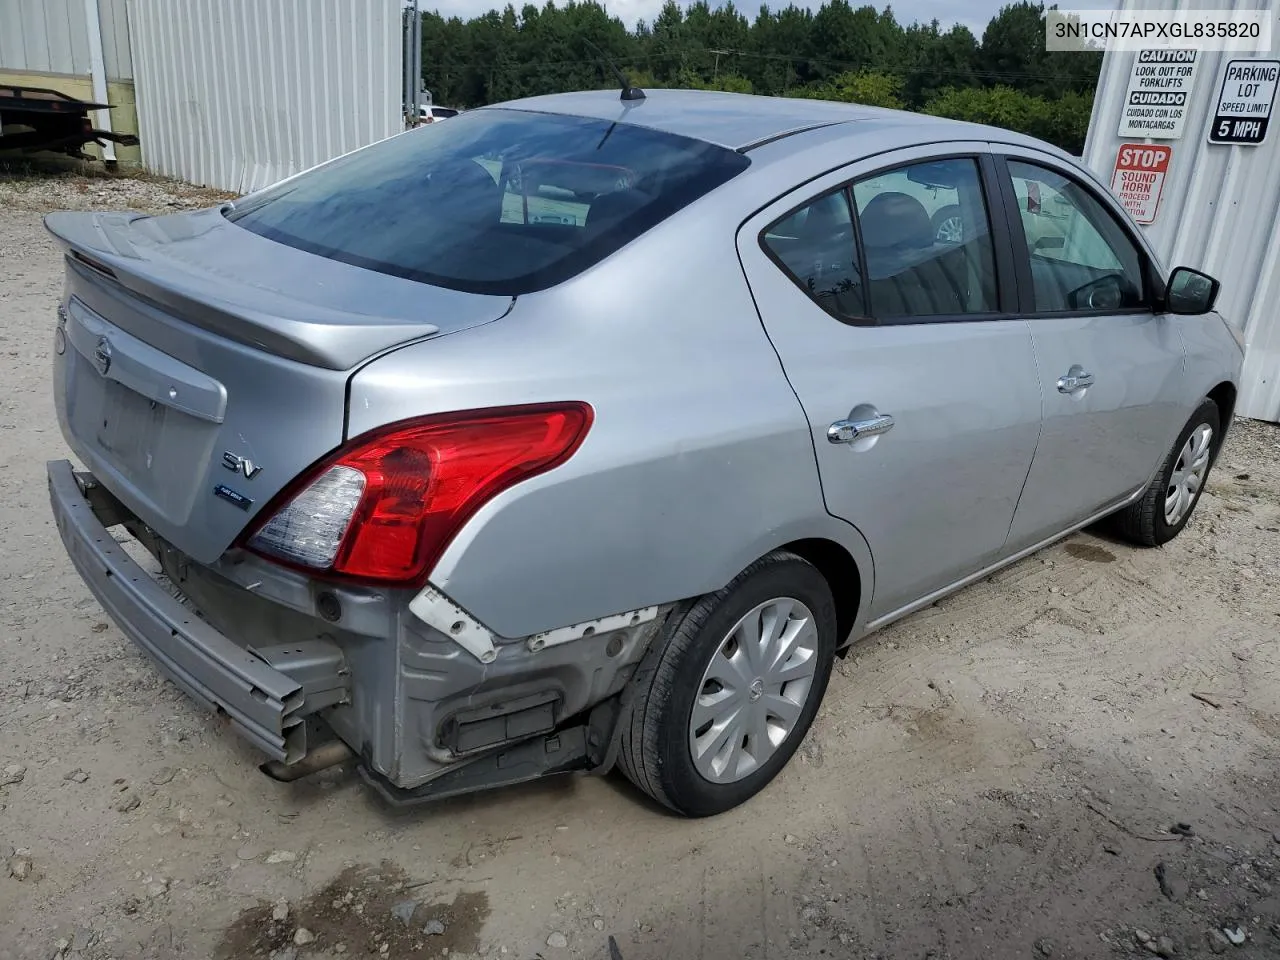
{"x": 926, "y": 239}
{"x": 915, "y": 246}
{"x": 816, "y": 248}
{"x": 499, "y": 201}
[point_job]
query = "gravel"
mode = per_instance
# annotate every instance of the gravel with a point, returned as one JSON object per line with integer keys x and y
{"x": 20, "y": 866}
{"x": 404, "y": 910}
{"x": 91, "y": 188}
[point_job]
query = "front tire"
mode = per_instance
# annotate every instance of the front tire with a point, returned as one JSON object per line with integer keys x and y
{"x": 725, "y": 695}
{"x": 1167, "y": 504}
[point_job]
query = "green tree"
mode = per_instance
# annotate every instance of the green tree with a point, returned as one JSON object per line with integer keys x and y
{"x": 837, "y": 51}
{"x": 866, "y": 87}
{"x": 1063, "y": 121}
{"x": 935, "y": 61}
{"x": 1013, "y": 54}
{"x": 1013, "y": 46}
{"x": 445, "y": 52}
{"x": 670, "y": 48}
{"x": 776, "y": 48}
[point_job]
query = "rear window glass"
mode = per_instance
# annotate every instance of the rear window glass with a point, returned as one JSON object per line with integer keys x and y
{"x": 498, "y": 201}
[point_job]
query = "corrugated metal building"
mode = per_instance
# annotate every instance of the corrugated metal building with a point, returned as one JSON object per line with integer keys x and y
{"x": 51, "y": 37}
{"x": 233, "y": 94}
{"x": 241, "y": 93}
{"x": 1219, "y": 208}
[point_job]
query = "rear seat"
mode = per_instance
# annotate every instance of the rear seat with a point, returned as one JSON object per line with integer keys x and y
{"x": 912, "y": 275}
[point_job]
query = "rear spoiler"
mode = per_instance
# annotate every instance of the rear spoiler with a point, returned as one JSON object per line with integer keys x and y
{"x": 121, "y": 248}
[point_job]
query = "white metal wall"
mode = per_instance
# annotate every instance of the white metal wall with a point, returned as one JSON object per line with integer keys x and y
{"x": 50, "y": 36}
{"x": 238, "y": 94}
{"x": 1220, "y": 208}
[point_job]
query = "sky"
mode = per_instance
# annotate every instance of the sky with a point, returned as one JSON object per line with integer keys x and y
{"x": 972, "y": 13}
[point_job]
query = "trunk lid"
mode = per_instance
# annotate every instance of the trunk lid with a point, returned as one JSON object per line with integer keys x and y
{"x": 290, "y": 303}
{"x": 200, "y": 367}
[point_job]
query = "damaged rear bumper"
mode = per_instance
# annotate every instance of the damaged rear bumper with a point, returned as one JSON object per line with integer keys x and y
{"x": 265, "y": 705}
{"x": 428, "y": 700}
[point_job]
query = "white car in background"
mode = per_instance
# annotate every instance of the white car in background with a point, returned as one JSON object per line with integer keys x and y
{"x": 430, "y": 113}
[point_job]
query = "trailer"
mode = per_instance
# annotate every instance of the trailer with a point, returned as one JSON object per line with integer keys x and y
{"x": 38, "y": 119}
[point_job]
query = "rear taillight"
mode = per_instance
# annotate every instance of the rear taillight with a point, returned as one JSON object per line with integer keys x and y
{"x": 384, "y": 507}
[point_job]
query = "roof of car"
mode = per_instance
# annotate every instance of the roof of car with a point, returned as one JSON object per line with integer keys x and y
{"x": 734, "y": 120}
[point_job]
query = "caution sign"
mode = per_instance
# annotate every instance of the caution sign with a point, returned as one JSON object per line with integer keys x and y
{"x": 1245, "y": 102}
{"x": 1155, "y": 103}
{"x": 1139, "y": 178}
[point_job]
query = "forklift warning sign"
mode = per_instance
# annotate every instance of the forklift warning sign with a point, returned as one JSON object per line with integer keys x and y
{"x": 1139, "y": 178}
{"x": 1155, "y": 103}
{"x": 1244, "y": 105}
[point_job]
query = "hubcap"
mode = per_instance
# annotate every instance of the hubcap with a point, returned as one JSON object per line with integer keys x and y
{"x": 1188, "y": 474}
{"x": 754, "y": 690}
{"x": 950, "y": 230}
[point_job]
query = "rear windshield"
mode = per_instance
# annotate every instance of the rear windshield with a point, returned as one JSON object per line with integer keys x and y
{"x": 499, "y": 201}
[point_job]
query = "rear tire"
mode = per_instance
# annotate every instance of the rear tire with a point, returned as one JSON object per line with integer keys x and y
{"x": 1167, "y": 504}
{"x": 703, "y": 661}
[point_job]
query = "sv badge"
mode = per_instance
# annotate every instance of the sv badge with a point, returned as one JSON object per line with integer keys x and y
{"x": 241, "y": 465}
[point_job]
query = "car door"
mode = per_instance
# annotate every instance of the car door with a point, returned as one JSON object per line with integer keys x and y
{"x": 1112, "y": 367}
{"x": 886, "y": 289}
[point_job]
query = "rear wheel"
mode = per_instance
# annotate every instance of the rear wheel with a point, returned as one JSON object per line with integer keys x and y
{"x": 1166, "y": 505}
{"x": 724, "y": 697}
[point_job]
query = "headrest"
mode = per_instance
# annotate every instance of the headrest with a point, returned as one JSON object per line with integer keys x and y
{"x": 896, "y": 220}
{"x": 826, "y": 217}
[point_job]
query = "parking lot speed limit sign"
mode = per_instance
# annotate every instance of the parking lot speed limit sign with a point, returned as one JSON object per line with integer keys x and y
{"x": 1245, "y": 102}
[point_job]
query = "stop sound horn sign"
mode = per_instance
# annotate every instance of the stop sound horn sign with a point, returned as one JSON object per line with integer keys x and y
{"x": 1139, "y": 176}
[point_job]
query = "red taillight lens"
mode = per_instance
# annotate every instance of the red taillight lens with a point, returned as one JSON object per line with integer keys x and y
{"x": 422, "y": 480}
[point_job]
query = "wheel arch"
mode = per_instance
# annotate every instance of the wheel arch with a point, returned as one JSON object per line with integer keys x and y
{"x": 841, "y": 572}
{"x": 1224, "y": 395}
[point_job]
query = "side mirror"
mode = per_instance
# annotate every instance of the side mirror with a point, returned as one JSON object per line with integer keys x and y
{"x": 1190, "y": 291}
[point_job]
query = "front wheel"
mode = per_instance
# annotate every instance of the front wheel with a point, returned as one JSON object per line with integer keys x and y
{"x": 725, "y": 695}
{"x": 1166, "y": 505}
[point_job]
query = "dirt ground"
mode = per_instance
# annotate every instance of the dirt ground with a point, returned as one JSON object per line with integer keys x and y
{"x": 1000, "y": 776}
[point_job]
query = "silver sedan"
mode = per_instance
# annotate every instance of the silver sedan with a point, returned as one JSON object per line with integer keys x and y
{"x": 587, "y": 431}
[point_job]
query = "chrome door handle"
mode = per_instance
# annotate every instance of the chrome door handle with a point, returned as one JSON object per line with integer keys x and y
{"x": 1074, "y": 381}
{"x": 847, "y": 431}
